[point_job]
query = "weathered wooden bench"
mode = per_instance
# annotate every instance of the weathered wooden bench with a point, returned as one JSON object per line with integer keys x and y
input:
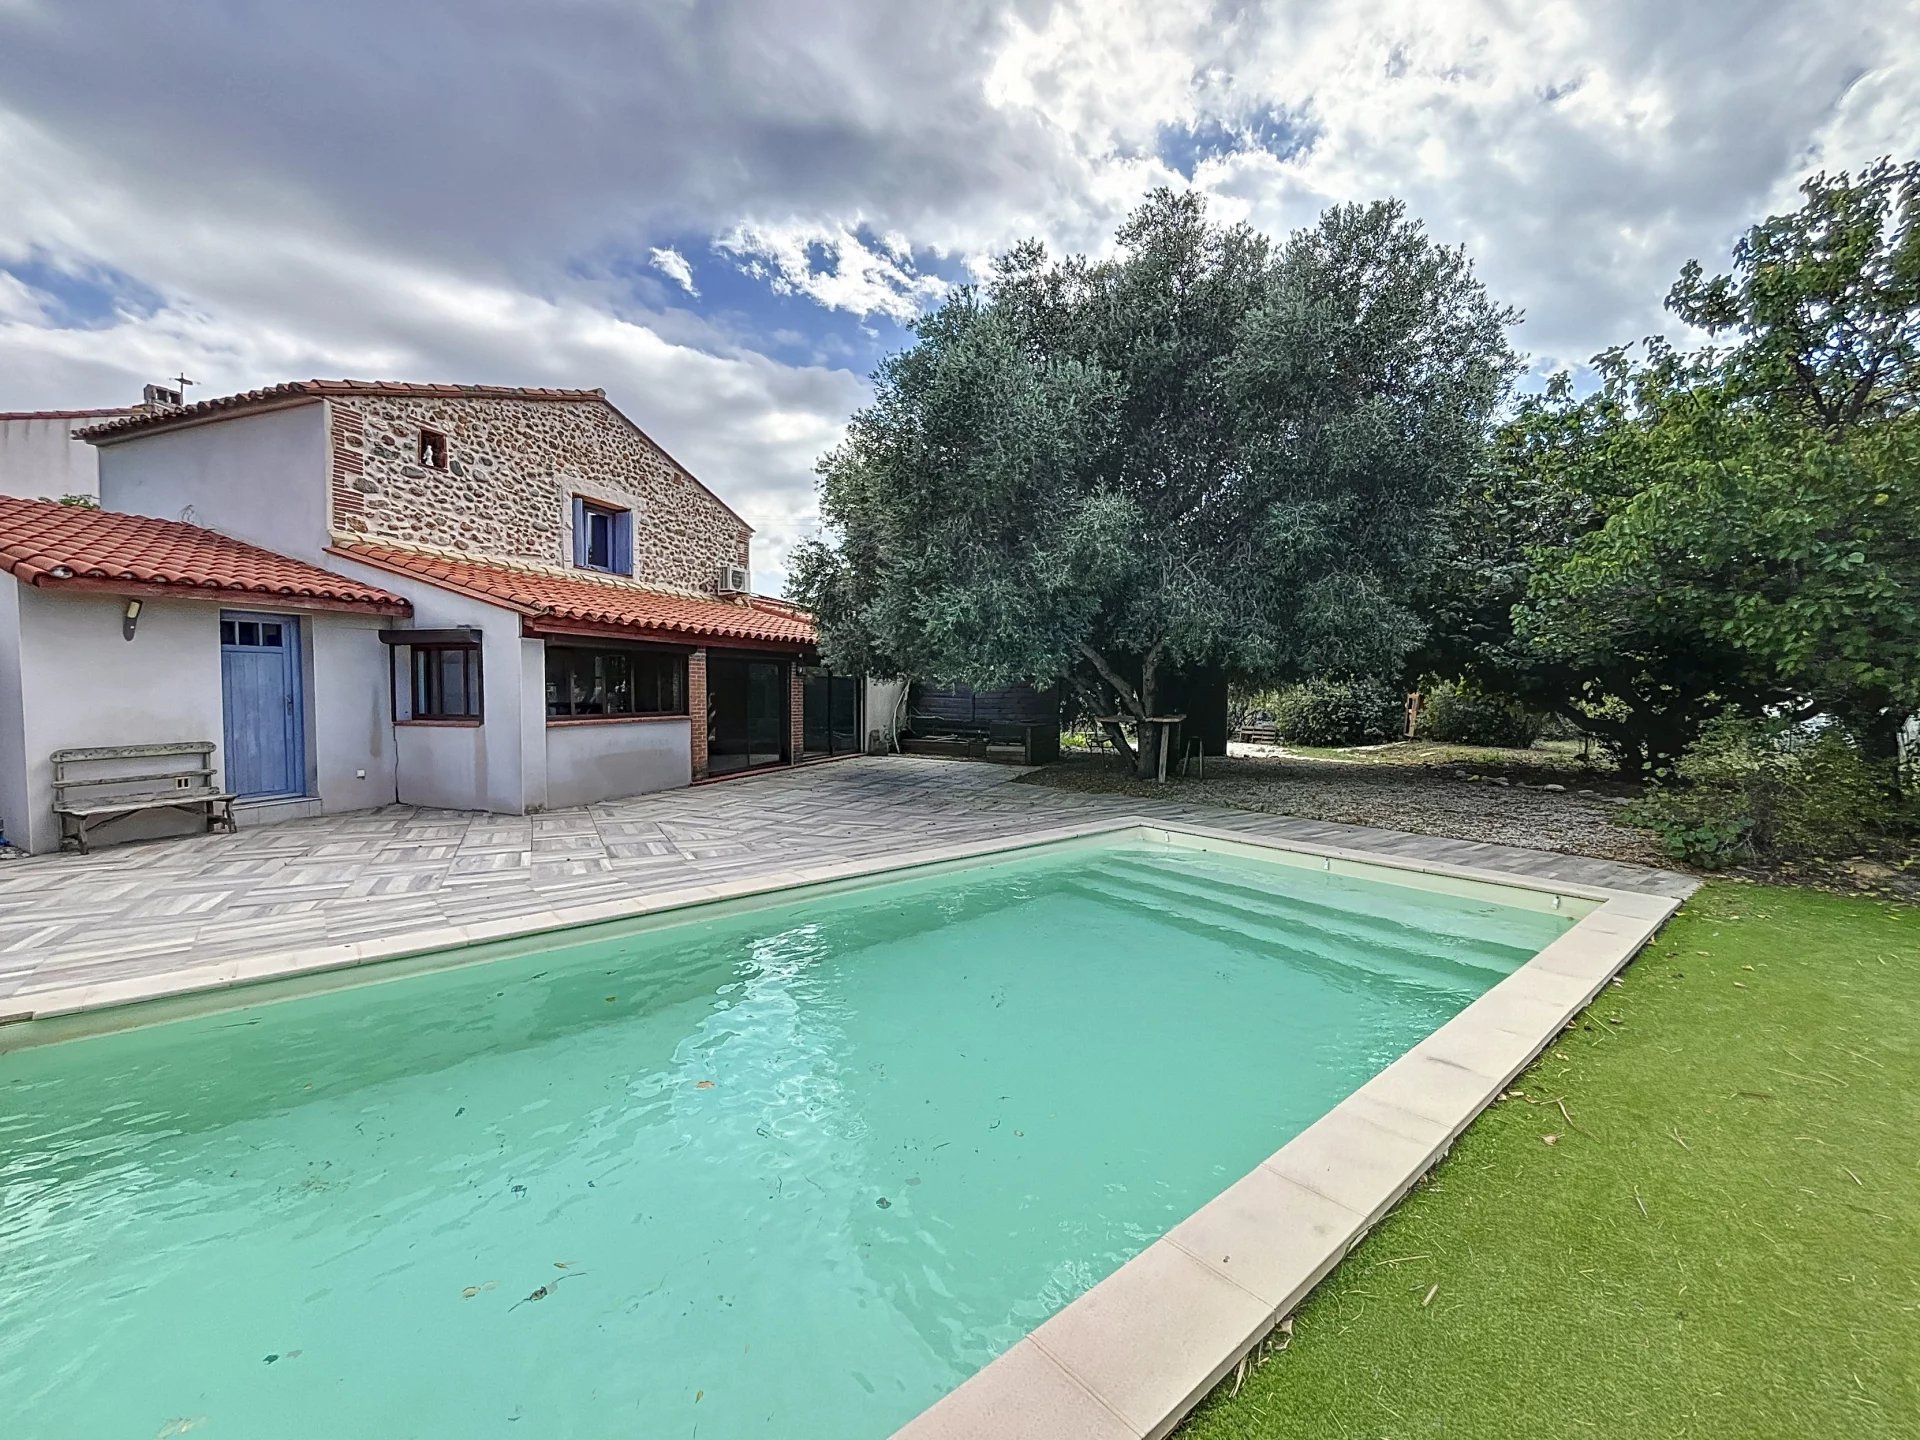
{"x": 174, "y": 776}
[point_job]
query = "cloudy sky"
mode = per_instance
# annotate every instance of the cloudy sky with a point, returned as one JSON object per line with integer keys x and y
{"x": 724, "y": 210}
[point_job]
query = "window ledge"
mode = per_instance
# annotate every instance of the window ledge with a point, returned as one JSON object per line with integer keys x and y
{"x": 473, "y": 723}
{"x": 561, "y": 722}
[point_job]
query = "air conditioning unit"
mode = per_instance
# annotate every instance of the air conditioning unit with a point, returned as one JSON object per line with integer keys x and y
{"x": 732, "y": 580}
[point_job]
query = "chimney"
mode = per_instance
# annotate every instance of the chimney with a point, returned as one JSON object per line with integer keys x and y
{"x": 158, "y": 397}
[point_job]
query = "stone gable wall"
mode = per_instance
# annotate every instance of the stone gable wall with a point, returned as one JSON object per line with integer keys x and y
{"x": 507, "y": 492}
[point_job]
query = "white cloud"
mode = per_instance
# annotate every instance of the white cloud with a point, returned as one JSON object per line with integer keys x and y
{"x": 833, "y": 267}
{"x": 321, "y": 200}
{"x": 672, "y": 264}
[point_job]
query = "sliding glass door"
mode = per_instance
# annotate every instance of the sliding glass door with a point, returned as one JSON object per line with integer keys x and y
{"x": 746, "y": 713}
{"x": 830, "y": 716}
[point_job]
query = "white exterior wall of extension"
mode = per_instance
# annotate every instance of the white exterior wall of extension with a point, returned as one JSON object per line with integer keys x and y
{"x": 514, "y": 762}
{"x": 68, "y": 678}
{"x": 258, "y": 477}
{"x": 40, "y": 459}
{"x": 593, "y": 762}
{"x": 454, "y": 766}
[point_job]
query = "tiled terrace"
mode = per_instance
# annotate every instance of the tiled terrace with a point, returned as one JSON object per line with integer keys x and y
{"x": 150, "y": 908}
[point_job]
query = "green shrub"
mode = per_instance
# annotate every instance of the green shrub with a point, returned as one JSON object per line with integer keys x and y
{"x": 1461, "y": 713}
{"x": 1339, "y": 712}
{"x": 1758, "y": 789}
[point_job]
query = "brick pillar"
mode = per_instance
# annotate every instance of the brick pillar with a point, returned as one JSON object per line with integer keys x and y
{"x": 796, "y": 713}
{"x": 697, "y": 710}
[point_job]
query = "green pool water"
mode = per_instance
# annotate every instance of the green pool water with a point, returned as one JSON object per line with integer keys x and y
{"x": 793, "y": 1172}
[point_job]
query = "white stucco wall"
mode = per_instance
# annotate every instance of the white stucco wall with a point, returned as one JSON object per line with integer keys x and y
{"x": 350, "y": 739}
{"x": 82, "y": 684}
{"x": 459, "y": 767}
{"x": 40, "y": 459}
{"x": 260, "y": 478}
{"x": 13, "y": 745}
{"x": 882, "y": 710}
{"x": 606, "y": 761}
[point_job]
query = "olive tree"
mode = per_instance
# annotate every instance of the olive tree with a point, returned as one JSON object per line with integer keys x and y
{"x": 1206, "y": 450}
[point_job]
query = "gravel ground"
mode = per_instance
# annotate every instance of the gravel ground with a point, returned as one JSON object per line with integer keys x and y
{"x": 1420, "y": 798}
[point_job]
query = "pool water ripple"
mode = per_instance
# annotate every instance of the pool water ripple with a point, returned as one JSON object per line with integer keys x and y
{"x": 795, "y": 1171}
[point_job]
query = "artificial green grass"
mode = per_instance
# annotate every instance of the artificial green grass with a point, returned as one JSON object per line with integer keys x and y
{"x": 1723, "y": 1238}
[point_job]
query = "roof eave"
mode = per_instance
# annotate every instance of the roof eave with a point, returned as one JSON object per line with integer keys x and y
{"x": 227, "y": 594}
{"x": 438, "y": 582}
{"x": 115, "y": 433}
{"x": 560, "y": 627}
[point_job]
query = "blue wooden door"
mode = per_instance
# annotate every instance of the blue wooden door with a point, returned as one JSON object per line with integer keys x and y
{"x": 264, "y": 752}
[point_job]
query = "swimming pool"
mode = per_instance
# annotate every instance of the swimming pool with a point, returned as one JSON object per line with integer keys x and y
{"x": 798, "y": 1169}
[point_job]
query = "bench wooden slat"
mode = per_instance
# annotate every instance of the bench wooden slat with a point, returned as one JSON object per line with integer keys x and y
{"x": 127, "y": 804}
{"x": 70, "y": 784}
{"x": 135, "y": 752}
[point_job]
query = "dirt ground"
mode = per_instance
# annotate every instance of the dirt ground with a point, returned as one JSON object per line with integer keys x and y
{"x": 1550, "y": 797}
{"x": 1545, "y": 799}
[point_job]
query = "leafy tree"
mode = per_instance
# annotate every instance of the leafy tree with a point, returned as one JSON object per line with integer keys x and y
{"x": 1207, "y": 450}
{"x": 1636, "y": 674}
{"x": 1823, "y": 304}
{"x": 1734, "y": 526}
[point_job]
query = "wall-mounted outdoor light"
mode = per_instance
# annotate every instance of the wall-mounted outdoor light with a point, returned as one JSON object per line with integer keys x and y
{"x": 130, "y": 619}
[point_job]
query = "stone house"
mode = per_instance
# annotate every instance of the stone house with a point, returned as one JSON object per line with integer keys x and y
{"x": 459, "y": 596}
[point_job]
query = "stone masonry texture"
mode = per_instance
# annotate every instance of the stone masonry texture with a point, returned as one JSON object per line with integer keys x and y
{"x": 513, "y": 468}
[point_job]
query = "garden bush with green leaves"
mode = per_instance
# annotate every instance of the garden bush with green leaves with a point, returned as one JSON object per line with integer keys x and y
{"x": 1766, "y": 790}
{"x": 1461, "y": 713}
{"x": 1339, "y": 712}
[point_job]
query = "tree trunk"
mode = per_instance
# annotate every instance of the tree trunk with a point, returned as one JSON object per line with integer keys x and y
{"x": 1875, "y": 722}
{"x": 1152, "y": 737}
{"x": 1144, "y": 755}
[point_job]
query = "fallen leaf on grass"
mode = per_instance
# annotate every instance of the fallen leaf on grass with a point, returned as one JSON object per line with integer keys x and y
{"x": 1430, "y": 1294}
{"x": 1549, "y": 1139}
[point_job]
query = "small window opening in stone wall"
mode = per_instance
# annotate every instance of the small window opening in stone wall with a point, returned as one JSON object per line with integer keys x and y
{"x": 433, "y": 449}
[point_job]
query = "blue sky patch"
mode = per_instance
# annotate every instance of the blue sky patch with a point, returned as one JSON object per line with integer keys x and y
{"x": 747, "y": 299}
{"x": 88, "y": 297}
{"x": 1278, "y": 132}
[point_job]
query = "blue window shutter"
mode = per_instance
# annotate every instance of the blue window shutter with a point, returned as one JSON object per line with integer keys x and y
{"x": 579, "y": 531}
{"x": 623, "y": 543}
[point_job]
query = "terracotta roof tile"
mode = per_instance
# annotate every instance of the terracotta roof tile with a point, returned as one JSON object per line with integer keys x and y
{"x": 66, "y": 414}
{"x": 594, "y": 600}
{"x": 56, "y": 546}
{"x": 320, "y": 390}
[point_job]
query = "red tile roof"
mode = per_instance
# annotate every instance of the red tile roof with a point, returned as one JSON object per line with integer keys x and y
{"x": 65, "y": 414}
{"x": 320, "y": 390}
{"x": 67, "y": 547}
{"x": 555, "y": 600}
